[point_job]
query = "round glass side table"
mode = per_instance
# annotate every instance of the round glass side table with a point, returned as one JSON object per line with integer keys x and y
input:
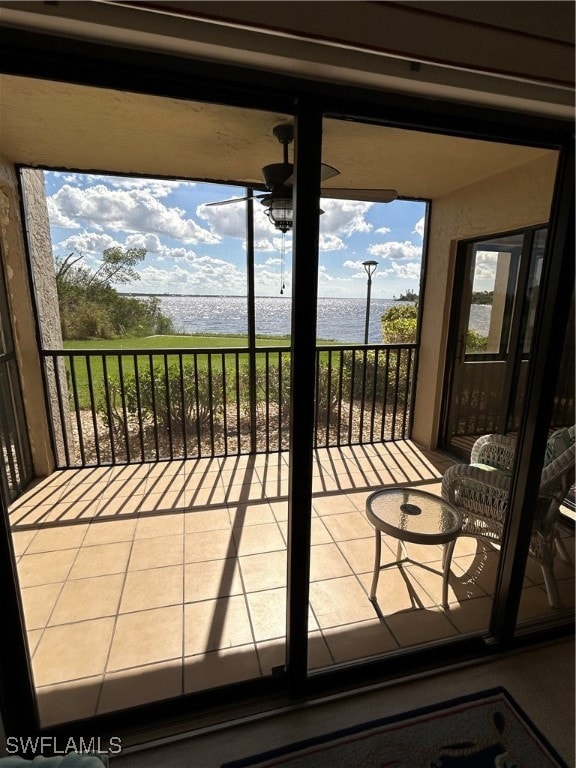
{"x": 417, "y": 517}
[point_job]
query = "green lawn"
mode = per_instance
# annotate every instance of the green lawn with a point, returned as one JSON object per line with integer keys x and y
{"x": 112, "y": 367}
{"x": 176, "y": 342}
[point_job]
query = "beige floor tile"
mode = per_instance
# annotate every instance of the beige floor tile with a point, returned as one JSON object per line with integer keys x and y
{"x": 72, "y": 651}
{"x": 150, "y": 526}
{"x": 534, "y": 604}
{"x": 324, "y": 483}
{"x": 156, "y": 552}
{"x": 222, "y": 667}
{"x": 266, "y": 570}
{"x": 268, "y": 614}
{"x": 251, "y": 514}
{"x": 348, "y": 525}
{"x": 211, "y": 579}
{"x": 251, "y": 539}
{"x": 359, "y": 553}
{"x": 479, "y": 570}
{"x": 65, "y": 537}
{"x": 38, "y": 603}
{"x": 33, "y": 636}
{"x": 274, "y": 486}
{"x": 280, "y": 510}
{"x": 206, "y": 520}
{"x": 146, "y": 637}
{"x": 68, "y": 701}
{"x": 170, "y": 483}
{"x": 83, "y": 599}
{"x": 209, "y": 545}
{"x": 129, "y": 486}
{"x": 215, "y": 624}
{"x": 430, "y": 582}
{"x": 21, "y": 540}
{"x": 83, "y": 491}
{"x": 45, "y": 567}
{"x": 271, "y": 654}
{"x": 140, "y": 685}
{"x": 204, "y": 496}
{"x": 472, "y": 615}
{"x": 110, "y": 532}
{"x": 152, "y": 588}
{"x": 101, "y": 560}
{"x": 397, "y": 590}
{"x": 333, "y": 504}
{"x": 356, "y": 641}
{"x": 319, "y": 654}
{"x": 339, "y": 601}
{"x": 238, "y": 476}
{"x": 119, "y": 507}
{"x": 420, "y": 626}
{"x": 319, "y": 534}
{"x": 242, "y": 494}
{"x": 163, "y": 502}
{"x": 327, "y": 562}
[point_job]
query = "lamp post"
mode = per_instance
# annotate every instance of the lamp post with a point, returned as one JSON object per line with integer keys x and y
{"x": 370, "y": 268}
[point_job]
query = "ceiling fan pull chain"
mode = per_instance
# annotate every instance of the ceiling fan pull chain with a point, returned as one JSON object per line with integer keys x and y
{"x": 282, "y": 256}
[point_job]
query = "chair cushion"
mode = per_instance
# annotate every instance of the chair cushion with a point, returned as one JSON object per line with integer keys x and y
{"x": 488, "y": 468}
{"x": 558, "y": 442}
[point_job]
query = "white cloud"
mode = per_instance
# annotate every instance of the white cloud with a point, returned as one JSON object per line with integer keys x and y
{"x": 485, "y": 270}
{"x": 156, "y": 187}
{"x": 419, "y": 226}
{"x": 409, "y": 271}
{"x": 330, "y": 243}
{"x": 349, "y": 264}
{"x": 135, "y": 211}
{"x": 230, "y": 220}
{"x": 204, "y": 275}
{"x": 344, "y": 217}
{"x": 150, "y": 242}
{"x": 87, "y": 243}
{"x": 395, "y": 250}
{"x": 383, "y": 230}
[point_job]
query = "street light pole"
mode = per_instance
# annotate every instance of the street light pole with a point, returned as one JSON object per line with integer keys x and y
{"x": 370, "y": 267}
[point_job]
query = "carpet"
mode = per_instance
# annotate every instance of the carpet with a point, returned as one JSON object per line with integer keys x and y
{"x": 483, "y": 730}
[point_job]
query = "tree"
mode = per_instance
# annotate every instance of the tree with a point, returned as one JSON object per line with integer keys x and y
{"x": 399, "y": 324}
{"x": 90, "y": 307}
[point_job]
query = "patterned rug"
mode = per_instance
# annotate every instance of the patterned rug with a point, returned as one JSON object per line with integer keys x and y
{"x": 483, "y": 730}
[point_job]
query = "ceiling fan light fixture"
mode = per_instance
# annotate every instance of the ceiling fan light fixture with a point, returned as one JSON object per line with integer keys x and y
{"x": 280, "y": 213}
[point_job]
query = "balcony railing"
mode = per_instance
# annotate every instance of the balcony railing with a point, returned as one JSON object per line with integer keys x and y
{"x": 131, "y": 406}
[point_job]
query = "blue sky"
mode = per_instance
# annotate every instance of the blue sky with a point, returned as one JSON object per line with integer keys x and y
{"x": 192, "y": 249}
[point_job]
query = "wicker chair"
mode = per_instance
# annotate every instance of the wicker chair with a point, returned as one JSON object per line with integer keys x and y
{"x": 480, "y": 490}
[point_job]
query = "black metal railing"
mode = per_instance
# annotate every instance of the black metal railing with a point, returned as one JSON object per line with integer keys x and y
{"x": 131, "y": 406}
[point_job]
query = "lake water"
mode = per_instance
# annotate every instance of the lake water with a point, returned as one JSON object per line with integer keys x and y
{"x": 341, "y": 320}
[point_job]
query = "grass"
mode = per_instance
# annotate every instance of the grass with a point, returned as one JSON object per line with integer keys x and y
{"x": 115, "y": 367}
{"x": 176, "y": 342}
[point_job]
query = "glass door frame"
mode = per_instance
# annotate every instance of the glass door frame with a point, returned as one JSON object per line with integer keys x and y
{"x": 513, "y": 317}
{"x": 34, "y": 54}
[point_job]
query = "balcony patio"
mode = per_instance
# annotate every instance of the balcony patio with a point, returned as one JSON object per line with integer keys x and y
{"x": 143, "y": 582}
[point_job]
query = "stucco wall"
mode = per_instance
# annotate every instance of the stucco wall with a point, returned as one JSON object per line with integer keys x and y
{"x": 509, "y": 201}
{"x": 23, "y": 323}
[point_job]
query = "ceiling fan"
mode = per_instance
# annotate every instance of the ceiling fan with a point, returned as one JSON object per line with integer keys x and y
{"x": 279, "y": 178}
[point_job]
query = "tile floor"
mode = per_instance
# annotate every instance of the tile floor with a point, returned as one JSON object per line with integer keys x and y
{"x": 141, "y": 583}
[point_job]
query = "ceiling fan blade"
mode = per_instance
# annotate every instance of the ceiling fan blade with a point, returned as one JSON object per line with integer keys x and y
{"x": 235, "y": 200}
{"x": 369, "y": 195}
{"x": 326, "y": 172}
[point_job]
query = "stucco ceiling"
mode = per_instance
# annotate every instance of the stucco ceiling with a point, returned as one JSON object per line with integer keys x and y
{"x": 61, "y": 125}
